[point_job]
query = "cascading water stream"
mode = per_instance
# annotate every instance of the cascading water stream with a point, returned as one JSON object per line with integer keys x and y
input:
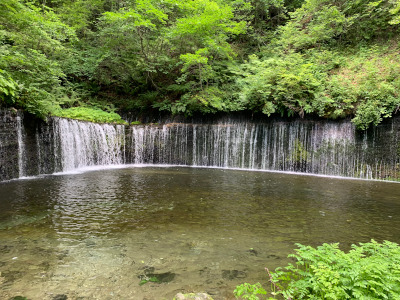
{"x": 326, "y": 148}
{"x": 21, "y": 148}
{"x": 307, "y": 146}
{"x": 83, "y": 144}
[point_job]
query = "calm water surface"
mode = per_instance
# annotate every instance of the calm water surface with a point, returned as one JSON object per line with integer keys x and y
{"x": 96, "y": 235}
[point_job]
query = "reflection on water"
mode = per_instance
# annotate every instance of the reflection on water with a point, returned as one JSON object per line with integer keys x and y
{"x": 97, "y": 235}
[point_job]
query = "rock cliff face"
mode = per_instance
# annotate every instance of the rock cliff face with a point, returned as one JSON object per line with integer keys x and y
{"x": 30, "y": 147}
{"x": 26, "y": 146}
{"x": 8, "y": 145}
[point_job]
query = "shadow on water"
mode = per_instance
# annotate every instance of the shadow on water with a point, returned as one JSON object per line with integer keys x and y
{"x": 149, "y": 233}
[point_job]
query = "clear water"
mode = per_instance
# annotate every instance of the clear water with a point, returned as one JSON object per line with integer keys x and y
{"x": 96, "y": 235}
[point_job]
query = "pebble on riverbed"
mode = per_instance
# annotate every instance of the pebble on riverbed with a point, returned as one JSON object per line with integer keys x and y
{"x": 193, "y": 296}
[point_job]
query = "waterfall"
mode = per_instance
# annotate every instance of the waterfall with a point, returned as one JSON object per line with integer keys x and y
{"x": 333, "y": 148}
{"x": 82, "y": 144}
{"x": 168, "y": 144}
{"x": 21, "y": 147}
{"x": 318, "y": 147}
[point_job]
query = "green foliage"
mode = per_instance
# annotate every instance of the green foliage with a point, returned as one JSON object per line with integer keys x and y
{"x": 171, "y": 47}
{"x": 368, "y": 271}
{"x": 205, "y": 19}
{"x": 33, "y": 27}
{"x": 319, "y": 22}
{"x": 249, "y": 291}
{"x": 198, "y": 62}
{"x": 31, "y": 41}
{"x": 136, "y": 123}
{"x": 326, "y": 83}
{"x": 89, "y": 114}
{"x": 331, "y": 59}
{"x": 150, "y": 279}
{"x": 8, "y": 88}
{"x": 367, "y": 85}
{"x": 288, "y": 84}
{"x": 316, "y": 22}
{"x": 395, "y": 11}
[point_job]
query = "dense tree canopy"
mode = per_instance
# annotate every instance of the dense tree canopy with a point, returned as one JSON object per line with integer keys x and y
{"x": 82, "y": 58}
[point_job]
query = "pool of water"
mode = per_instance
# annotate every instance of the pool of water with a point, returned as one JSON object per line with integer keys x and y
{"x": 102, "y": 234}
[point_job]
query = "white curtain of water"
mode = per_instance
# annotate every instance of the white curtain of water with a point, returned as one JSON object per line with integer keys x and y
{"x": 328, "y": 148}
{"x": 82, "y": 144}
{"x": 21, "y": 147}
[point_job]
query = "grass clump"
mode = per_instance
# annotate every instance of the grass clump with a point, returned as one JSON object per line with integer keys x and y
{"x": 90, "y": 114}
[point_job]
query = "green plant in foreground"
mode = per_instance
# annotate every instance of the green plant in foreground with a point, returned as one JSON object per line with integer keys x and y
{"x": 249, "y": 291}
{"x": 368, "y": 271}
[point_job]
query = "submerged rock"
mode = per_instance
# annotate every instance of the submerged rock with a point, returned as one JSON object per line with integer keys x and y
{"x": 233, "y": 274}
{"x": 193, "y": 296}
{"x": 156, "y": 278}
{"x": 253, "y": 252}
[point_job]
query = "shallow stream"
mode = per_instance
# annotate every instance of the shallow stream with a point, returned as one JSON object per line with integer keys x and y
{"x": 103, "y": 234}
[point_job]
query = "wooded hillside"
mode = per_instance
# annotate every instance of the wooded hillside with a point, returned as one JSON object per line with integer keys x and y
{"x": 88, "y": 59}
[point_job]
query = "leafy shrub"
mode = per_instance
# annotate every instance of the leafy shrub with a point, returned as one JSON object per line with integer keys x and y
{"x": 280, "y": 84}
{"x": 368, "y": 271}
{"x": 249, "y": 291}
{"x": 367, "y": 85}
{"x": 314, "y": 23}
{"x": 8, "y": 88}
